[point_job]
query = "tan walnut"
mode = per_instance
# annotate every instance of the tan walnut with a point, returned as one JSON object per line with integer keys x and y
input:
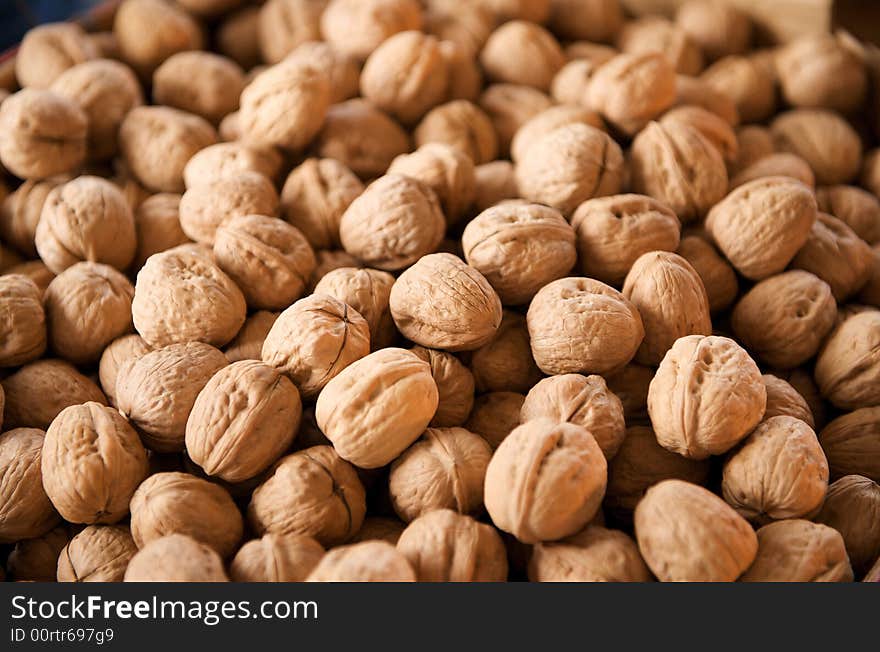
{"x": 796, "y": 550}
{"x": 99, "y": 553}
{"x": 175, "y": 558}
{"x": 595, "y": 554}
{"x": 25, "y": 510}
{"x": 276, "y": 558}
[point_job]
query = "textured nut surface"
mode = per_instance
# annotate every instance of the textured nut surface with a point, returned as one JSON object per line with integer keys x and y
{"x": 851, "y": 443}
{"x": 851, "y": 507}
{"x": 448, "y": 171}
{"x": 342, "y": 71}
{"x": 367, "y": 561}
{"x": 594, "y": 20}
{"x": 455, "y": 387}
{"x": 367, "y": 291}
{"x": 547, "y": 121}
{"x": 718, "y": 277}
{"x": 848, "y": 366}
{"x": 99, "y": 553}
{"x": 463, "y": 125}
{"x": 444, "y": 546}
{"x": 545, "y": 481}
{"x": 276, "y": 558}
{"x": 230, "y": 160}
{"x": 584, "y": 326}
{"x": 376, "y": 407}
{"x": 594, "y": 554}
{"x": 784, "y": 400}
{"x": 313, "y": 492}
{"x": 799, "y": 551}
{"x": 175, "y": 558}
{"x": 122, "y": 351}
{"x": 150, "y": 31}
{"x": 824, "y": 140}
{"x": 25, "y": 510}
{"x": 157, "y": 224}
{"x": 630, "y": 385}
{"x": 180, "y": 503}
{"x": 20, "y": 213}
{"x": 92, "y": 462}
{"x": 749, "y": 85}
{"x": 207, "y": 206}
{"x": 520, "y": 52}
{"x": 23, "y": 322}
{"x": 203, "y": 83}
{"x": 858, "y": 208}
{"x": 36, "y": 559}
{"x": 509, "y": 107}
{"x": 48, "y": 50}
{"x": 687, "y": 534}
{"x": 694, "y": 91}
{"x": 707, "y": 396}
{"x": 781, "y": 164}
{"x": 505, "y": 363}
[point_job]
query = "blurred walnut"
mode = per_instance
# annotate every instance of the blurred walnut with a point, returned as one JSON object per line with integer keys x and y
{"x": 695, "y": 92}
{"x": 751, "y": 87}
{"x": 368, "y": 561}
{"x": 630, "y": 385}
{"x": 283, "y": 25}
{"x": 824, "y": 140}
{"x": 588, "y": 20}
{"x": 852, "y": 507}
{"x": 238, "y": 36}
{"x": 455, "y": 387}
{"x": 718, "y": 131}
{"x": 718, "y": 277}
{"x": 655, "y": 34}
{"x": 860, "y": 210}
{"x": 20, "y": 213}
{"x": 519, "y": 52}
{"x": 509, "y": 107}
{"x": 785, "y": 400}
{"x": 203, "y": 83}
{"x": 175, "y": 558}
{"x": 592, "y": 555}
{"x": 150, "y": 31}
{"x": 119, "y": 353}
{"x": 852, "y": 443}
{"x": 358, "y": 27}
{"x": 780, "y": 164}
{"x": 505, "y": 363}
{"x": 460, "y": 124}
{"x": 50, "y": 49}
{"x": 799, "y": 551}
{"x": 276, "y": 558}
{"x": 36, "y": 560}
{"x": 495, "y": 415}
{"x": 717, "y": 28}
{"x": 343, "y": 71}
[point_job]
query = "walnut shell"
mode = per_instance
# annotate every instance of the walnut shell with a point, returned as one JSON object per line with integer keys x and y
{"x": 23, "y": 325}
{"x": 761, "y": 225}
{"x": 20, "y": 213}
{"x": 859, "y": 209}
{"x": 708, "y": 395}
{"x": 630, "y": 385}
{"x": 870, "y": 292}
{"x": 48, "y": 50}
{"x": 852, "y": 507}
{"x": 248, "y": 344}
{"x": 367, "y": 291}
{"x": 92, "y": 463}
{"x": 695, "y": 92}
{"x": 535, "y": 11}
{"x": 276, "y": 558}
{"x": 342, "y": 71}
{"x": 852, "y": 442}
{"x": 751, "y": 87}
{"x": 183, "y": 297}
{"x": 718, "y": 29}
{"x": 495, "y": 415}
{"x": 520, "y": 52}
{"x": 25, "y": 510}
{"x": 578, "y": 325}
{"x": 313, "y": 492}
{"x": 238, "y": 36}
{"x": 36, "y": 560}
{"x": 466, "y": 24}
{"x": 353, "y": 408}
{"x": 35, "y": 270}
{"x": 358, "y": 27}
{"x": 368, "y": 561}
{"x": 799, "y": 551}
{"x": 175, "y": 558}
{"x": 824, "y": 140}
{"x": 122, "y": 351}
{"x": 460, "y": 124}
{"x": 782, "y": 164}
{"x": 283, "y": 25}
{"x": 203, "y": 83}
{"x": 547, "y": 121}
{"x": 594, "y": 554}
{"x": 446, "y": 170}
{"x": 656, "y": 34}
{"x": 99, "y": 553}
{"x": 209, "y": 205}
{"x": 505, "y": 363}
{"x": 711, "y": 542}
{"x": 571, "y": 85}
{"x": 379, "y": 527}
{"x": 455, "y": 387}
{"x": 509, "y": 107}
{"x": 848, "y": 366}
{"x": 593, "y": 20}
{"x": 157, "y": 223}
{"x": 785, "y": 400}
{"x": 718, "y": 277}
{"x": 444, "y": 546}
{"x": 223, "y": 160}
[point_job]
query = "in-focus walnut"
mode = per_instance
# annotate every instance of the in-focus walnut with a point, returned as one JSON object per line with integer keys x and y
{"x": 655, "y": 34}
{"x": 785, "y": 400}
{"x": 362, "y": 137}
{"x": 92, "y": 463}
{"x": 455, "y": 387}
{"x": 238, "y": 37}
{"x": 796, "y": 550}
{"x": 460, "y": 124}
{"x": 48, "y": 50}
{"x": 42, "y": 133}
{"x": 707, "y": 396}
{"x": 175, "y": 558}
{"x": 824, "y": 140}
{"x": 495, "y": 415}
{"x": 180, "y": 503}
{"x": 106, "y": 91}
{"x": 859, "y": 209}
{"x": 641, "y": 463}
{"x": 711, "y": 542}
{"x": 150, "y": 31}
{"x": 590, "y": 20}
{"x": 852, "y": 442}
{"x": 594, "y": 554}
{"x": 444, "y": 546}
{"x": 693, "y": 91}
{"x": 396, "y": 221}
{"x": 39, "y": 391}
{"x": 99, "y": 553}
{"x": 25, "y": 510}
{"x": 582, "y": 400}
{"x": 367, "y": 291}
{"x": 444, "y": 469}
{"x": 203, "y": 83}
{"x": 158, "y": 141}
{"x": 632, "y": 89}
{"x": 509, "y": 107}
{"x": 157, "y": 225}
{"x": 780, "y": 164}
{"x": 520, "y": 52}
{"x": 243, "y": 420}
{"x": 442, "y": 303}
{"x": 231, "y": 160}
{"x": 313, "y": 340}
{"x": 36, "y": 560}
{"x": 380, "y": 527}
{"x": 761, "y": 225}
{"x": 122, "y": 351}
{"x": 358, "y": 27}
{"x": 182, "y": 296}
{"x": 505, "y": 363}
{"x": 545, "y": 481}
{"x": 446, "y": 170}
{"x": 276, "y": 558}
{"x": 578, "y": 325}
{"x": 712, "y": 127}
{"x": 671, "y": 300}
{"x": 784, "y": 318}
{"x": 342, "y": 71}
{"x": 367, "y": 561}
{"x": 406, "y": 76}
{"x": 376, "y": 407}
{"x": 779, "y": 472}
{"x": 848, "y": 368}
{"x": 87, "y": 307}
{"x": 852, "y": 507}
{"x": 313, "y": 492}
{"x": 751, "y": 87}
{"x": 718, "y": 277}
{"x": 23, "y": 325}
{"x": 570, "y": 165}
{"x": 20, "y": 213}
{"x": 675, "y": 163}
{"x": 823, "y": 71}
{"x": 283, "y": 25}
{"x": 630, "y": 385}
{"x": 718, "y": 28}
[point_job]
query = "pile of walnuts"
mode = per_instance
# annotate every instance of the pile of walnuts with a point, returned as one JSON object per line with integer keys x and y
{"x": 439, "y": 290}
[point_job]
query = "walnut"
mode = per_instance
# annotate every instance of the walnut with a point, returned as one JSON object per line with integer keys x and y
{"x": 25, "y": 510}
{"x": 505, "y": 363}
{"x": 20, "y": 213}
{"x": 760, "y": 226}
{"x": 630, "y": 385}
{"x": 509, "y": 107}
{"x": 203, "y": 83}
{"x": 655, "y": 34}
{"x": 122, "y": 351}
{"x": 283, "y": 25}
{"x": 313, "y": 492}
{"x": 276, "y": 558}
{"x": 751, "y": 87}
{"x": 99, "y": 553}
{"x": 495, "y": 415}
{"x": 23, "y": 325}
{"x": 706, "y": 397}
{"x": 594, "y": 554}
{"x": 859, "y": 209}
{"x": 593, "y": 20}
{"x": 545, "y": 481}
{"x": 455, "y": 387}
{"x": 48, "y": 50}
{"x": 354, "y": 408}
{"x": 519, "y": 52}
{"x": 847, "y": 368}
{"x": 444, "y": 546}
{"x": 358, "y": 27}
{"x": 695, "y": 92}
{"x": 35, "y": 270}
{"x": 343, "y": 71}
{"x": 368, "y": 561}
{"x": 870, "y": 293}
{"x": 368, "y": 291}
{"x": 92, "y": 462}
{"x": 718, "y": 131}
{"x": 157, "y": 223}
{"x": 36, "y": 560}
{"x": 466, "y": 24}
{"x": 465, "y": 76}
{"x": 785, "y": 400}
{"x": 175, "y": 558}
{"x": 396, "y": 221}
{"x": 570, "y": 165}
{"x": 181, "y": 297}
{"x": 852, "y": 507}
{"x": 314, "y": 340}
{"x": 535, "y": 11}
{"x": 870, "y": 176}
{"x": 717, "y": 28}
{"x": 446, "y": 170}
{"x": 824, "y": 140}
{"x": 851, "y": 443}
{"x": 248, "y": 344}
{"x": 329, "y": 260}
{"x": 238, "y": 37}
{"x": 718, "y": 277}
{"x": 206, "y": 207}
{"x": 380, "y": 527}
{"x": 578, "y": 325}
{"x": 460, "y": 124}
{"x": 672, "y": 302}
{"x": 711, "y": 542}
{"x": 223, "y": 160}
{"x": 42, "y": 133}
{"x": 150, "y": 31}
{"x": 782, "y": 164}
{"x": 799, "y": 551}
{"x": 571, "y": 85}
